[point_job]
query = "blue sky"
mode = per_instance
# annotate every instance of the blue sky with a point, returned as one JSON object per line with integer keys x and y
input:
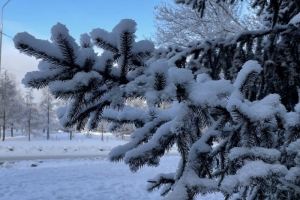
{"x": 80, "y": 16}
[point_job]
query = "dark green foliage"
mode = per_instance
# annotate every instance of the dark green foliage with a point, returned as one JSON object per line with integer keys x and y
{"x": 234, "y": 113}
{"x": 89, "y": 98}
{"x": 160, "y": 81}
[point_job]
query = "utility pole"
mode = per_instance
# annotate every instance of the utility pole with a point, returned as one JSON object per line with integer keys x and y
{"x": 4, "y": 81}
{"x": 3, "y": 105}
{"x": 1, "y": 32}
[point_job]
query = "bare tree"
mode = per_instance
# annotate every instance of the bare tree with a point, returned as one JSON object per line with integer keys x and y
{"x": 11, "y": 103}
{"x": 178, "y": 24}
{"x": 28, "y": 111}
{"x": 47, "y": 108}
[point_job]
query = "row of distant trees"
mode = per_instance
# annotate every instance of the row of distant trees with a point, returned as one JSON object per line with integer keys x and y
{"x": 19, "y": 112}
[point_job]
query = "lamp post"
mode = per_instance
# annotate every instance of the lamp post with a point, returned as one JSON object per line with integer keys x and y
{"x": 1, "y": 32}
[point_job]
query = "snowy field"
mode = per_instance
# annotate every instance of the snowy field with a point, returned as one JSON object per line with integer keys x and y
{"x": 59, "y": 145}
{"x": 92, "y": 178}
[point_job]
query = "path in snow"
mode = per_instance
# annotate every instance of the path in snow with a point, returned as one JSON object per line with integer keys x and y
{"x": 80, "y": 179}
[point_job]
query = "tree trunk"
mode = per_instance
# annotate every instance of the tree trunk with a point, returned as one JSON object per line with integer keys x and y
{"x": 102, "y": 133}
{"x": 28, "y": 130}
{"x": 70, "y": 135}
{"x": 12, "y": 130}
{"x": 48, "y": 132}
{"x": 3, "y": 137}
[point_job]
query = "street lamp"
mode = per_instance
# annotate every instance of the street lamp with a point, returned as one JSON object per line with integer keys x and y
{"x": 1, "y": 32}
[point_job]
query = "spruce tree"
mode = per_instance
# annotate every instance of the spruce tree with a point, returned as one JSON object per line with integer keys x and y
{"x": 75, "y": 72}
{"x": 235, "y": 111}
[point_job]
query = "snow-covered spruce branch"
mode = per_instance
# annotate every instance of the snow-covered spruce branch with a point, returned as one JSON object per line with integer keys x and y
{"x": 64, "y": 65}
{"x": 210, "y": 118}
{"x": 167, "y": 180}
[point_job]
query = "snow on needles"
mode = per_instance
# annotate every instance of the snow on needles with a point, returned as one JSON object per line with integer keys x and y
{"x": 258, "y": 152}
{"x": 211, "y": 92}
{"x": 41, "y": 45}
{"x": 251, "y": 66}
{"x": 60, "y": 32}
{"x": 180, "y": 75}
{"x": 250, "y": 171}
{"x": 125, "y": 24}
{"x": 85, "y": 40}
{"x": 80, "y": 79}
{"x": 295, "y": 20}
{"x": 102, "y": 34}
{"x": 142, "y": 45}
{"x": 256, "y": 169}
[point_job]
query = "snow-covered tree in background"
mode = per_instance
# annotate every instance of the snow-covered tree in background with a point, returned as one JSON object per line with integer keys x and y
{"x": 240, "y": 91}
{"x": 10, "y": 101}
{"x": 47, "y": 109}
{"x": 28, "y": 111}
{"x": 32, "y": 121}
{"x": 178, "y": 24}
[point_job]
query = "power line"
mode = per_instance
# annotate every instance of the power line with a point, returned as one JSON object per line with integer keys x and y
{"x": 6, "y": 35}
{"x": 14, "y": 70}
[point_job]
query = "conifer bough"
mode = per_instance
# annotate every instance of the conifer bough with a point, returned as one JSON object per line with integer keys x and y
{"x": 234, "y": 113}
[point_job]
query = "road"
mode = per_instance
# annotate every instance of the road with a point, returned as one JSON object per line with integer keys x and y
{"x": 54, "y": 157}
{"x": 46, "y": 157}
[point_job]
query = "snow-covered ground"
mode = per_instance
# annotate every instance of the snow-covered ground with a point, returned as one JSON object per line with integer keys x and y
{"x": 59, "y": 145}
{"x": 92, "y": 178}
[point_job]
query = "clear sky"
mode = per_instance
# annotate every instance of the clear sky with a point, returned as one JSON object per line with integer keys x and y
{"x": 80, "y": 16}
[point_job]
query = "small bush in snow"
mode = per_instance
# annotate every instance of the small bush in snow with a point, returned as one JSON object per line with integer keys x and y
{"x": 39, "y": 148}
{"x": 10, "y": 148}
